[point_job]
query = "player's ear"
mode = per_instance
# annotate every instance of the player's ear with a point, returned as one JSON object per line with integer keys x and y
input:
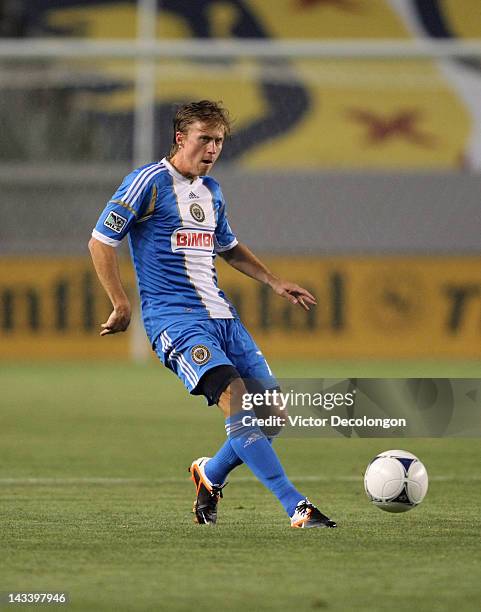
{"x": 179, "y": 138}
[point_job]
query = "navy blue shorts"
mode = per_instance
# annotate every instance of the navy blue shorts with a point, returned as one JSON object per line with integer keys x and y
{"x": 190, "y": 350}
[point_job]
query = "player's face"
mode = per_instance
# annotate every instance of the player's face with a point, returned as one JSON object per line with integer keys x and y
{"x": 199, "y": 148}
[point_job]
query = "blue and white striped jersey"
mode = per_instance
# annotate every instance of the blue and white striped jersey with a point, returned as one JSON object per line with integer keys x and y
{"x": 175, "y": 227}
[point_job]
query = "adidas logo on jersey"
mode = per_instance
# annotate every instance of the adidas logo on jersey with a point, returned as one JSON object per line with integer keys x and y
{"x": 193, "y": 196}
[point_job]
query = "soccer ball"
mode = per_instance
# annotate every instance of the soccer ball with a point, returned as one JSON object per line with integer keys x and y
{"x": 396, "y": 481}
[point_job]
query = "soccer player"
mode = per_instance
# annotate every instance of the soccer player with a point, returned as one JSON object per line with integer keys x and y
{"x": 175, "y": 217}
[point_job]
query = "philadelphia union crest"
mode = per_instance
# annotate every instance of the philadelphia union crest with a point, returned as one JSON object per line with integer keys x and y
{"x": 200, "y": 354}
{"x": 197, "y": 212}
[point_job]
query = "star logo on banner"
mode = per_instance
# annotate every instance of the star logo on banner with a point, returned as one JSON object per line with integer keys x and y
{"x": 342, "y": 5}
{"x": 402, "y": 124}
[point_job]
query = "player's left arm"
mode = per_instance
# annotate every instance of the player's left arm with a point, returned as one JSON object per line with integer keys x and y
{"x": 243, "y": 259}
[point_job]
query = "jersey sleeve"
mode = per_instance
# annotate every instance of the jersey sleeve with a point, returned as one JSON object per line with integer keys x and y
{"x": 136, "y": 194}
{"x": 224, "y": 237}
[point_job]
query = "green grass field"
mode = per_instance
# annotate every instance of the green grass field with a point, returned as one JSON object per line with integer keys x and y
{"x": 96, "y": 501}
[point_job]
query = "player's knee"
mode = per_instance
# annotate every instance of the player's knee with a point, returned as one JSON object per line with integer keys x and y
{"x": 273, "y": 419}
{"x": 223, "y": 386}
{"x": 231, "y": 400}
{"x": 270, "y": 413}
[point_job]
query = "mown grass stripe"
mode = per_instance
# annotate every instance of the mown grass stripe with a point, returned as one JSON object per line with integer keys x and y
{"x": 160, "y": 481}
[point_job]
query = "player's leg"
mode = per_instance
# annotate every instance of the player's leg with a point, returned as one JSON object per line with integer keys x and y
{"x": 193, "y": 352}
{"x": 252, "y": 446}
{"x": 258, "y": 378}
{"x": 246, "y": 443}
{"x": 196, "y": 353}
{"x": 257, "y": 375}
{"x": 212, "y": 385}
{"x": 251, "y": 365}
{"x": 210, "y": 473}
{"x": 226, "y": 459}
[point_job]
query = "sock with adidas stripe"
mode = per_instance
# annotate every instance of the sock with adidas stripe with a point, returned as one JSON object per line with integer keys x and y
{"x": 223, "y": 462}
{"x": 253, "y": 448}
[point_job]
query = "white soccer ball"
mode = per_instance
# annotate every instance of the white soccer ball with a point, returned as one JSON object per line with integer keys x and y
{"x": 396, "y": 481}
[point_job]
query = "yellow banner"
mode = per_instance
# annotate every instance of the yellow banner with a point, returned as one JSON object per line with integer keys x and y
{"x": 369, "y": 307}
{"x": 52, "y": 308}
{"x": 372, "y": 113}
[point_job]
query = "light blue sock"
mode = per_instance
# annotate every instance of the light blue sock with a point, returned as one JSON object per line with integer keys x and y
{"x": 252, "y": 446}
{"x": 223, "y": 462}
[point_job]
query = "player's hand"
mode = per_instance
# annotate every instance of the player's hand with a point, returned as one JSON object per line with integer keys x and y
{"x": 118, "y": 321}
{"x": 294, "y": 293}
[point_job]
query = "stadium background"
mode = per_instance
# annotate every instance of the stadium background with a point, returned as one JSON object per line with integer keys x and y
{"x": 357, "y": 176}
{"x": 361, "y": 175}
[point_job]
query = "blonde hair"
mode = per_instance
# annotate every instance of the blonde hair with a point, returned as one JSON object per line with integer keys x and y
{"x": 206, "y": 111}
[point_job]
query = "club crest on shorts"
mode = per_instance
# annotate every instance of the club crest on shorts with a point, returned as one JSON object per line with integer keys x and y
{"x": 197, "y": 212}
{"x": 200, "y": 354}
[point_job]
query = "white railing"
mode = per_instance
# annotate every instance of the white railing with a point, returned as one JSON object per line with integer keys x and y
{"x": 146, "y": 48}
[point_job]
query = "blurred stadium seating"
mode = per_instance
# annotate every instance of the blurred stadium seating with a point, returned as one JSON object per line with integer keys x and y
{"x": 368, "y": 167}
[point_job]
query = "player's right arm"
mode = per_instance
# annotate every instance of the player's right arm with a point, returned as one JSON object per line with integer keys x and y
{"x": 136, "y": 193}
{"x": 106, "y": 265}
